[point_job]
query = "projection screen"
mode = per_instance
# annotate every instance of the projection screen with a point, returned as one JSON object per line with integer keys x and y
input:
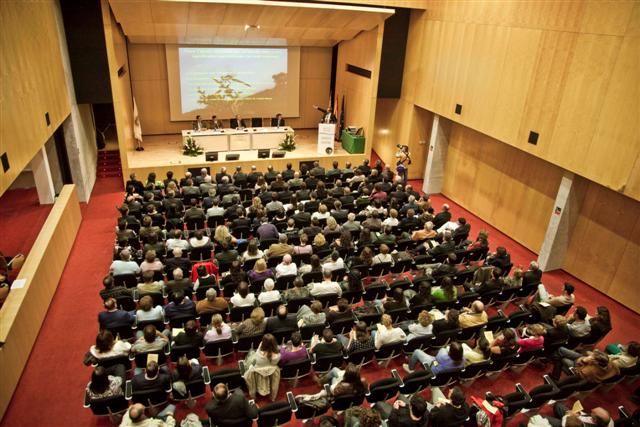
{"x": 225, "y": 81}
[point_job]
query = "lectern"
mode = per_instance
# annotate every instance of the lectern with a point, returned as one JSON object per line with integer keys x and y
{"x": 326, "y": 137}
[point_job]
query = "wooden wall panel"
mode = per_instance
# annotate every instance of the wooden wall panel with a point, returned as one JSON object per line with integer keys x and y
{"x": 603, "y": 250}
{"x": 502, "y": 185}
{"x": 151, "y": 90}
{"x": 567, "y": 70}
{"x": 25, "y": 309}
{"x": 33, "y": 82}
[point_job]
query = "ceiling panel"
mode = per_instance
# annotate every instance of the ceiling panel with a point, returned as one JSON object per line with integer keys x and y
{"x": 198, "y": 22}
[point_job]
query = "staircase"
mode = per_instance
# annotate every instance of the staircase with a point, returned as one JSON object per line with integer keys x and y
{"x": 109, "y": 164}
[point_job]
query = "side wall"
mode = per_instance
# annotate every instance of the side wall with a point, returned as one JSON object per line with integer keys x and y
{"x": 151, "y": 90}
{"x": 360, "y": 93}
{"x": 604, "y": 249}
{"x": 24, "y": 310}
{"x": 120, "y": 85}
{"x": 33, "y": 82}
{"x": 510, "y": 189}
{"x": 567, "y": 70}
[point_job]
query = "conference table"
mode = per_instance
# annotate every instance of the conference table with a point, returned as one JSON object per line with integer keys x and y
{"x": 238, "y": 139}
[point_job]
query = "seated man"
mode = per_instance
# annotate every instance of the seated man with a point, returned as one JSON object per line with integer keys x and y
{"x": 112, "y": 291}
{"x": 124, "y": 265}
{"x": 135, "y": 416}
{"x": 212, "y": 303}
{"x": 282, "y": 321}
{"x": 281, "y": 248}
{"x": 451, "y": 411}
{"x": 475, "y": 316}
{"x": 151, "y": 379}
{"x": 148, "y": 286}
{"x": 594, "y": 366}
{"x": 179, "y": 282}
{"x": 327, "y": 346}
{"x": 180, "y": 306}
{"x": 597, "y": 417}
{"x": 287, "y": 267}
{"x": 448, "y": 360}
{"x": 578, "y": 324}
{"x": 177, "y": 261}
{"x": 327, "y": 286}
{"x": 226, "y": 406}
{"x": 114, "y": 318}
{"x": 341, "y": 311}
{"x": 151, "y": 340}
{"x": 566, "y": 298}
{"x": 404, "y": 413}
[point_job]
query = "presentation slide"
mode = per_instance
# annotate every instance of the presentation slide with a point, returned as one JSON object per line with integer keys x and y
{"x": 225, "y": 81}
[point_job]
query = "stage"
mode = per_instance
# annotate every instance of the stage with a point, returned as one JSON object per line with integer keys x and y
{"x": 163, "y": 153}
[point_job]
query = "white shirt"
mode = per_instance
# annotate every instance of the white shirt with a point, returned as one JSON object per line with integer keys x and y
{"x": 215, "y": 211}
{"x": 390, "y": 222}
{"x": 323, "y": 288}
{"x": 318, "y": 215}
{"x": 238, "y": 301}
{"x": 417, "y": 330}
{"x": 283, "y": 269}
{"x": 124, "y": 267}
{"x": 448, "y": 226}
{"x": 246, "y": 256}
{"x": 195, "y": 243}
{"x": 380, "y": 258}
{"x": 154, "y": 314}
{"x": 177, "y": 243}
{"x": 120, "y": 348}
{"x": 386, "y": 336}
{"x": 331, "y": 265}
{"x": 269, "y": 296}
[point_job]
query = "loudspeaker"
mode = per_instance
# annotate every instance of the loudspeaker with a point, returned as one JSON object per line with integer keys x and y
{"x": 211, "y": 156}
{"x": 533, "y": 138}
{"x": 277, "y": 155}
{"x": 232, "y": 156}
{"x": 458, "y": 109}
{"x": 264, "y": 153}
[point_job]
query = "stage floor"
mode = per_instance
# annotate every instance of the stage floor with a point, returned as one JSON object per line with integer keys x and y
{"x": 164, "y": 152}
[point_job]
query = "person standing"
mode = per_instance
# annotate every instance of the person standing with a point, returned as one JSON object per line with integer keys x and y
{"x": 403, "y": 160}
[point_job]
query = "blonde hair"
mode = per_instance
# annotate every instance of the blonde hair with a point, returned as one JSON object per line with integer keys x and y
{"x": 257, "y": 315}
{"x": 537, "y": 329}
{"x": 386, "y": 321}
{"x": 150, "y": 256}
{"x": 393, "y": 213}
{"x": 216, "y": 322}
{"x": 260, "y": 266}
{"x": 222, "y": 234}
{"x": 425, "y": 318}
{"x": 319, "y": 240}
{"x": 322, "y": 208}
{"x": 332, "y": 224}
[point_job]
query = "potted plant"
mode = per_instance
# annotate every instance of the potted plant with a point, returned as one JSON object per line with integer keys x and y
{"x": 191, "y": 147}
{"x": 289, "y": 142}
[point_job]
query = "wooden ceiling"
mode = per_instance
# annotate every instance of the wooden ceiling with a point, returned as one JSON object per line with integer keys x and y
{"x": 218, "y": 22}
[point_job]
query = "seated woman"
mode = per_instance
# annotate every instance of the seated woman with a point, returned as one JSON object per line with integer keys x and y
{"x": 505, "y": 343}
{"x": 204, "y": 278}
{"x": 106, "y": 383}
{"x": 426, "y": 233}
{"x": 243, "y": 297}
{"x": 365, "y": 237}
{"x": 107, "y": 346}
{"x": 269, "y": 294}
{"x": 445, "y": 292}
{"x": 392, "y": 220}
{"x": 334, "y": 262}
{"x": 535, "y": 341}
{"x": 311, "y": 315}
{"x": 359, "y": 338}
{"x": 480, "y": 353}
{"x": 186, "y": 371}
{"x": 263, "y": 374}
{"x": 199, "y": 240}
{"x": 396, "y": 301}
{"x": 254, "y": 325}
{"x": 294, "y": 350}
{"x": 218, "y": 330}
{"x": 365, "y": 258}
{"x": 332, "y": 226}
{"x": 600, "y": 324}
{"x": 151, "y": 262}
{"x": 423, "y": 297}
{"x": 190, "y": 336}
{"x": 342, "y": 382}
{"x": 481, "y": 242}
{"x": 299, "y": 290}
{"x": 323, "y": 212}
{"x": 314, "y": 266}
{"x": 319, "y": 243}
{"x": 423, "y": 327}
{"x": 260, "y": 271}
{"x": 384, "y": 256}
{"x": 386, "y": 333}
{"x": 304, "y": 247}
{"x": 624, "y": 356}
{"x": 253, "y": 251}
{"x": 515, "y": 281}
{"x": 344, "y": 241}
{"x": 450, "y": 359}
{"x": 147, "y": 312}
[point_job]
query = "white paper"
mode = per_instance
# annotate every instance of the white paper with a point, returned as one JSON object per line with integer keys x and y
{"x": 18, "y": 284}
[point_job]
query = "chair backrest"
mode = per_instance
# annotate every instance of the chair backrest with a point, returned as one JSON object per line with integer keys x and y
{"x": 108, "y": 405}
{"x": 274, "y": 414}
{"x": 127, "y": 280}
{"x": 248, "y": 342}
{"x": 141, "y": 358}
{"x": 308, "y": 331}
{"x": 229, "y": 376}
{"x": 375, "y": 291}
{"x": 108, "y": 362}
{"x": 285, "y": 282}
{"x": 190, "y": 351}
{"x": 382, "y": 390}
{"x": 282, "y": 336}
{"x": 294, "y": 305}
{"x": 398, "y": 314}
{"x": 361, "y": 357}
{"x": 270, "y": 307}
{"x": 346, "y": 401}
{"x": 379, "y": 269}
{"x": 295, "y": 369}
{"x": 418, "y": 343}
{"x": 179, "y": 321}
{"x": 148, "y": 398}
{"x": 238, "y": 314}
{"x": 342, "y": 326}
{"x": 443, "y": 338}
{"x": 219, "y": 348}
{"x": 444, "y": 379}
{"x": 389, "y": 351}
{"x": 312, "y": 277}
{"x": 353, "y": 297}
{"x": 324, "y": 364}
{"x": 415, "y": 382}
{"x": 327, "y": 300}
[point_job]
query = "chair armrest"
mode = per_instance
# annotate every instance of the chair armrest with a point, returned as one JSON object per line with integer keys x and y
{"x": 242, "y": 367}
{"x": 86, "y": 403}
{"x": 573, "y": 371}
{"x": 396, "y": 375}
{"x": 501, "y": 313}
{"x": 292, "y": 402}
{"x": 548, "y": 380}
{"x": 252, "y": 403}
{"x": 134, "y": 295}
{"x": 623, "y": 412}
{"x": 521, "y": 390}
{"x": 132, "y": 356}
{"x": 128, "y": 390}
{"x": 313, "y": 357}
{"x": 327, "y": 389}
{"x": 206, "y": 375}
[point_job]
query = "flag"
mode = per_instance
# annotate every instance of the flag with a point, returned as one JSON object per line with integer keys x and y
{"x": 137, "y": 129}
{"x": 341, "y": 119}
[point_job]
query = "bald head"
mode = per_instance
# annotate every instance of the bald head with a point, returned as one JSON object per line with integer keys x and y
{"x": 136, "y": 412}
{"x": 477, "y": 306}
{"x": 601, "y": 416}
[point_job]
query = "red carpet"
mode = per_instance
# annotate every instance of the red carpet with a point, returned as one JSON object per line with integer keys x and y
{"x": 51, "y": 388}
{"x": 20, "y": 207}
